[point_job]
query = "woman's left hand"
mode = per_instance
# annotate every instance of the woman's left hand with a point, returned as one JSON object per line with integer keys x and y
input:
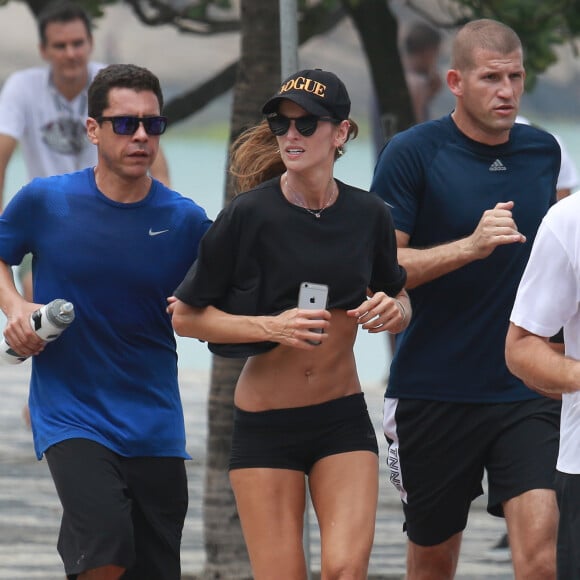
{"x": 382, "y": 313}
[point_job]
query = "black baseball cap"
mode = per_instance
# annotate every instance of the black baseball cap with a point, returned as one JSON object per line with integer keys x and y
{"x": 317, "y": 91}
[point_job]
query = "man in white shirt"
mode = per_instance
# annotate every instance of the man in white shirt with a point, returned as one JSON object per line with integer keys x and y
{"x": 567, "y": 183}
{"x": 547, "y": 300}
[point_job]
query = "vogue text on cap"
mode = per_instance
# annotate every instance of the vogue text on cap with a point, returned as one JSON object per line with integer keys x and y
{"x": 304, "y": 84}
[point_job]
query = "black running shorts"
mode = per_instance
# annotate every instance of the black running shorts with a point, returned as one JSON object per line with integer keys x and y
{"x": 297, "y": 438}
{"x": 438, "y": 452}
{"x": 121, "y": 511}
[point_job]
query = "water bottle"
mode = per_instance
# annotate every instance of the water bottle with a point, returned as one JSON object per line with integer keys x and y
{"x": 49, "y": 321}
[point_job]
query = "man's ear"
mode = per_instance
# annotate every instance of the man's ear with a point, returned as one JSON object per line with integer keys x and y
{"x": 93, "y": 128}
{"x": 454, "y": 82}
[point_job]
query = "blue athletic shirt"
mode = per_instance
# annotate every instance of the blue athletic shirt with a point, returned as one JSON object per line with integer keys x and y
{"x": 439, "y": 182}
{"x": 112, "y": 375}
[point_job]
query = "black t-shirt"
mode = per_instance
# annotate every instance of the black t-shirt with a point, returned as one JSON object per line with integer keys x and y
{"x": 261, "y": 247}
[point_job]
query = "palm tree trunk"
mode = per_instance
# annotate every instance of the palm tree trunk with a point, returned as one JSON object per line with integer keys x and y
{"x": 226, "y": 555}
{"x": 258, "y": 77}
{"x": 377, "y": 28}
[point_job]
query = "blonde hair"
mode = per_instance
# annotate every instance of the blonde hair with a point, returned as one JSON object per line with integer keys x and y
{"x": 486, "y": 34}
{"x": 255, "y": 157}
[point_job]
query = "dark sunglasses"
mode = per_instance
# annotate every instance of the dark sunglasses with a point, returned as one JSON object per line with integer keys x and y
{"x": 279, "y": 124}
{"x": 128, "y": 124}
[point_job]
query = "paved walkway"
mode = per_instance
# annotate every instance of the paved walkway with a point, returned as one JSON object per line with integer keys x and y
{"x": 30, "y": 511}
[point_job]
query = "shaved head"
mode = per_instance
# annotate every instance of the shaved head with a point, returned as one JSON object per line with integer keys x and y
{"x": 483, "y": 34}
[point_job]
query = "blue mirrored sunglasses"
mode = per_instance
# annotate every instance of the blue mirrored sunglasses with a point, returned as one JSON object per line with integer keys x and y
{"x": 128, "y": 124}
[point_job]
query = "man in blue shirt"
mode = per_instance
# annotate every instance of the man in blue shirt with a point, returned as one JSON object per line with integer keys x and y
{"x": 104, "y": 398}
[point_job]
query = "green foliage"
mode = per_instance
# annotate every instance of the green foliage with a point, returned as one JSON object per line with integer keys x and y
{"x": 196, "y": 12}
{"x": 328, "y": 4}
{"x": 96, "y": 7}
{"x": 542, "y": 25}
{"x": 199, "y": 10}
{"x": 571, "y": 14}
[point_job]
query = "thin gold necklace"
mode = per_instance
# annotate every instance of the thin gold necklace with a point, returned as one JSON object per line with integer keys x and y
{"x": 300, "y": 201}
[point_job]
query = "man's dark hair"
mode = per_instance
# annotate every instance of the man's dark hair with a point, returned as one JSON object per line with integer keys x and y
{"x": 120, "y": 76}
{"x": 62, "y": 11}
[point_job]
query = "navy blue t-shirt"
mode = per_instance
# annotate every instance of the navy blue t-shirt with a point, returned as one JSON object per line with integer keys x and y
{"x": 439, "y": 183}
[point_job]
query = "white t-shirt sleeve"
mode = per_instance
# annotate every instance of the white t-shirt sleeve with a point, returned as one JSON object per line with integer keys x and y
{"x": 568, "y": 176}
{"x": 12, "y": 106}
{"x": 548, "y": 295}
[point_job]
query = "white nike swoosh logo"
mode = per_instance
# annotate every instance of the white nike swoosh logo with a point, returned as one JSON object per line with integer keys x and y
{"x": 156, "y": 233}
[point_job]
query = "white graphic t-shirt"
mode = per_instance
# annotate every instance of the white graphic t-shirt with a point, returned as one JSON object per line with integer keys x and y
{"x": 51, "y": 129}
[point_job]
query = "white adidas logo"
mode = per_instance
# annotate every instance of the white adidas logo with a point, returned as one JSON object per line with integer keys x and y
{"x": 497, "y": 165}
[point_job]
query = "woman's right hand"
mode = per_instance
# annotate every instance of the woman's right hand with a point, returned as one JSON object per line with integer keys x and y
{"x": 298, "y": 327}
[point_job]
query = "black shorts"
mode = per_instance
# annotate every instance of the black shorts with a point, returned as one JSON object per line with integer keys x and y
{"x": 438, "y": 452}
{"x": 297, "y": 438}
{"x": 568, "y": 494}
{"x": 119, "y": 511}
{"x": 558, "y": 338}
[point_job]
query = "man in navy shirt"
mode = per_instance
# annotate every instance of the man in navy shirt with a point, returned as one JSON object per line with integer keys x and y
{"x": 467, "y": 194}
